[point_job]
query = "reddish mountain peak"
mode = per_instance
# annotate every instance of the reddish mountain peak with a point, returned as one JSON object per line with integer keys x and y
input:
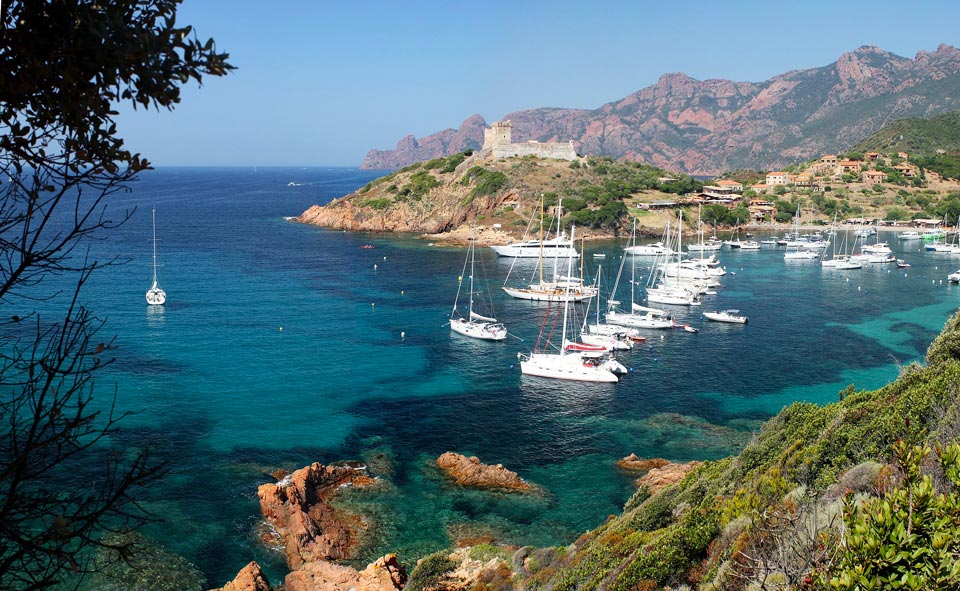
{"x": 713, "y": 125}
{"x": 473, "y": 121}
{"x": 943, "y": 52}
{"x": 674, "y": 79}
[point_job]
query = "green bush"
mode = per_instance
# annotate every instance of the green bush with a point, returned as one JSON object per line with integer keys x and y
{"x": 487, "y": 182}
{"x": 909, "y": 539}
{"x": 377, "y": 204}
{"x": 430, "y": 570}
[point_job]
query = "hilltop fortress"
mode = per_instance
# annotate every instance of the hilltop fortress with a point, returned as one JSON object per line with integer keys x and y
{"x": 497, "y": 141}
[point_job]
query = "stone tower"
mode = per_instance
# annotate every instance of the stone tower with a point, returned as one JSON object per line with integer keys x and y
{"x": 498, "y": 134}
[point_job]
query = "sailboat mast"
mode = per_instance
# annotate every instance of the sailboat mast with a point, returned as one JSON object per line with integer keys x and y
{"x": 154, "y": 214}
{"x": 633, "y": 267}
{"x": 541, "y": 237}
{"x": 679, "y": 246}
{"x": 473, "y": 243}
{"x": 556, "y": 250}
{"x": 566, "y": 300}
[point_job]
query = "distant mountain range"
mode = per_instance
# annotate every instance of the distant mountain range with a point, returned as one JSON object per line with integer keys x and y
{"x": 711, "y": 126}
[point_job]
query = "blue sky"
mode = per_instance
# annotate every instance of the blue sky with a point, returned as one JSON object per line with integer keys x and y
{"x": 320, "y": 83}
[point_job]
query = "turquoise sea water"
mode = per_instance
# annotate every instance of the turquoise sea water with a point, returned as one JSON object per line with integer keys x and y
{"x": 225, "y": 396}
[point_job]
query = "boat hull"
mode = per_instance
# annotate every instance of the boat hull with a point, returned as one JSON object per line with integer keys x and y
{"x": 156, "y": 296}
{"x": 487, "y": 331}
{"x": 638, "y": 321}
{"x": 552, "y": 295}
{"x": 534, "y": 252}
{"x": 728, "y": 318}
{"x": 566, "y": 367}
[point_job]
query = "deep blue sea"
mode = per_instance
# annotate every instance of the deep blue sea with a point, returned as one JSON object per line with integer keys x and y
{"x": 225, "y": 396}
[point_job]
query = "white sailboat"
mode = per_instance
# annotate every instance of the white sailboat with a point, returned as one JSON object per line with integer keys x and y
{"x": 473, "y": 324}
{"x": 802, "y": 251}
{"x": 155, "y": 295}
{"x": 672, "y": 292}
{"x": 610, "y": 337}
{"x": 560, "y": 288}
{"x": 563, "y": 364}
{"x": 638, "y": 316}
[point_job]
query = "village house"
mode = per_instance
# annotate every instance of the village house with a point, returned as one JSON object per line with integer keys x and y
{"x": 872, "y": 156}
{"x": 848, "y": 166}
{"x": 760, "y": 188}
{"x": 906, "y": 170}
{"x": 778, "y": 178}
{"x": 804, "y": 179}
{"x": 903, "y": 155}
{"x": 830, "y": 159}
{"x": 874, "y": 177}
{"x": 760, "y": 209}
{"x": 732, "y": 185}
{"x": 724, "y": 189}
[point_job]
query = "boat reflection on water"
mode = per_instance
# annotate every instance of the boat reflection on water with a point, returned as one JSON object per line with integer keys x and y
{"x": 568, "y": 395}
{"x": 155, "y": 315}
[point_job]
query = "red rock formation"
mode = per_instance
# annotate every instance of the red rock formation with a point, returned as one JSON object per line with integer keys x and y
{"x": 632, "y": 463}
{"x": 250, "y": 578}
{"x": 471, "y": 472}
{"x": 297, "y": 509}
{"x": 385, "y": 574}
{"x": 662, "y": 477}
{"x": 709, "y": 126}
{"x": 444, "y": 143}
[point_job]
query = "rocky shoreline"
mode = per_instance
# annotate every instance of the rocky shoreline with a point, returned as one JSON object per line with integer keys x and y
{"x": 300, "y": 510}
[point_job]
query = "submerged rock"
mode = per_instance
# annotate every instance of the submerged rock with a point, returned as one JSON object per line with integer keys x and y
{"x": 471, "y": 472}
{"x": 306, "y": 524}
{"x": 250, "y": 578}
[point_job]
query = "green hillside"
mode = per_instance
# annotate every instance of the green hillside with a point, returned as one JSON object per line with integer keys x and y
{"x": 857, "y": 494}
{"x": 932, "y": 143}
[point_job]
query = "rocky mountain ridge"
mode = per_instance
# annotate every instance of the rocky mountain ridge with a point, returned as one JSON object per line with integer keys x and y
{"x": 710, "y": 126}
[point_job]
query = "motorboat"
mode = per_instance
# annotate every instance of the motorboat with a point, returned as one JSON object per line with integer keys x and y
{"x": 731, "y": 316}
{"x": 648, "y": 250}
{"x": 909, "y": 235}
{"x": 559, "y": 247}
{"x": 954, "y": 277}
{"x": 800, "y": 254}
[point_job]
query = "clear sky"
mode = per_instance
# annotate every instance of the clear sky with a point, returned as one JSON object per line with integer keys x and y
{"x": 320, "y": 83}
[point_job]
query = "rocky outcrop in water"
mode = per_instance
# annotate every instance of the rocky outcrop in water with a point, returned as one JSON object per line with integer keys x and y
{"x": 471, "y": 472}
{"x": 250, "y": 578}
{"x": 306, "y": 524}
{"x": 632, "y": 463}
{"x": 385, "y": 574}
{"x": 710, "y": 126}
